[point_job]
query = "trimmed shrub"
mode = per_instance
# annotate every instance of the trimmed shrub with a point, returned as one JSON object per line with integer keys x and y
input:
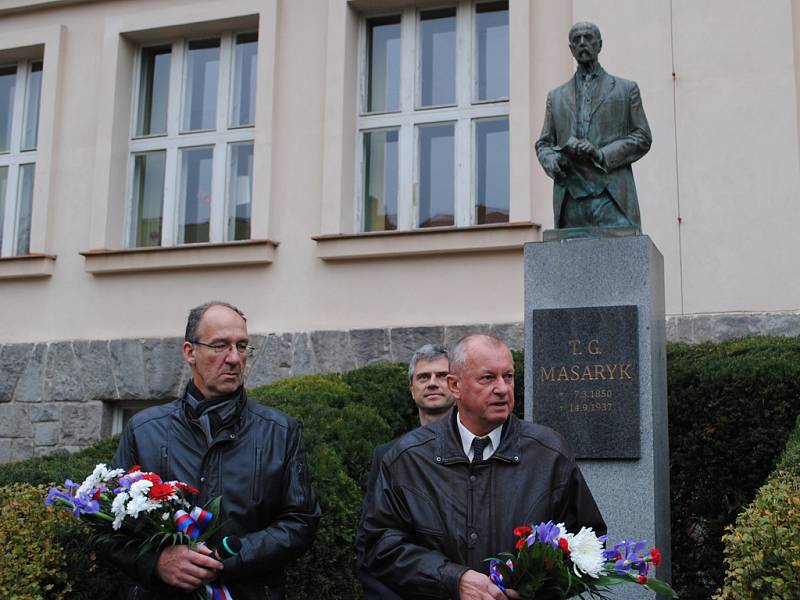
{"x": 731, "y": 409}
{"x": 762, "y": 550}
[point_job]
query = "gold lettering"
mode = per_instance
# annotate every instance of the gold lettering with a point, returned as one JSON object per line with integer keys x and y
{"x": 599, "y": 372}
{"x": 562, "y": 374}
{"x": 611, "y": 370}
{"x": 573, "y": 345}
{"x": 623, "y": 371}
{"x": 547, "y": 374}
{"x": 593, "y": 347}
{"x": 587, "y": 373}
{"x": 574, "y": 375}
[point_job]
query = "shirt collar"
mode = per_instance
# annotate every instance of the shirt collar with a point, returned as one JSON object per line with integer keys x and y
{"x": 594, "y": 70}
{"x": 467, "y": 436}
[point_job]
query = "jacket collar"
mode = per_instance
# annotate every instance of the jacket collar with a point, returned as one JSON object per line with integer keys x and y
{"x": 448, "y": 449}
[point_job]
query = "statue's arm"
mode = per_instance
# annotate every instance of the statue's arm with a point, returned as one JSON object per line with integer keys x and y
{"x": 545, "y": 146}
{"x": 636, "y": 143}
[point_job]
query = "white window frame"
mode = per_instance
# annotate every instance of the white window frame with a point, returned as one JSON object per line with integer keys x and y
{"x": 174, "y": 140}
{"x": 466, "y": 111}
{"x": 16, "y": 157}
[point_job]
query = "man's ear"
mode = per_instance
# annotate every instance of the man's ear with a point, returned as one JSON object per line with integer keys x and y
{"x": 188, "y": 353}
{"x": 452, "y": 385}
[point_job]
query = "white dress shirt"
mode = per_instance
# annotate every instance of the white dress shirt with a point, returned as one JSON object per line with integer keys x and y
{"x": 467, "y": 436}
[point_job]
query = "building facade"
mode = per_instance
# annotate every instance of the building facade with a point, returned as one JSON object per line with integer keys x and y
{"x": 358, "y": 176}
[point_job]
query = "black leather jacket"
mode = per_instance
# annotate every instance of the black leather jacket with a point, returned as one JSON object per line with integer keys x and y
{"x": 434, "y": 515}
{"x": 257, "y": 464}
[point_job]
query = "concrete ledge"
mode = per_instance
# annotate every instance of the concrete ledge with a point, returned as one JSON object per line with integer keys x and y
{"x": 430, "y": 241}
{"x": 187, "y": 256}
{"x": 29, "y": 266}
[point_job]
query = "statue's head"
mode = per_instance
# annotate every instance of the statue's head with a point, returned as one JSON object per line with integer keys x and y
{"x": 585, "y": 42}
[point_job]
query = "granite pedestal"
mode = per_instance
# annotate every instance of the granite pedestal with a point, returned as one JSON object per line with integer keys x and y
{"x": 595, "y": 370}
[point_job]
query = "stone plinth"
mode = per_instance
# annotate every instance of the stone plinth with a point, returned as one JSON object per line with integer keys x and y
{"x": 584, "y": 281}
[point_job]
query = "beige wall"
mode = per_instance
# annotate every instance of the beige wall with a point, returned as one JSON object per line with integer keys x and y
{"x": 724, "y": 160}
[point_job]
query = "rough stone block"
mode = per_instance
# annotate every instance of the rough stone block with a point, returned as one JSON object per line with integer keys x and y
{"x": 30, "y": 386}
{"x": 13, "y": 359}
{"x": 273, "y": 361}
{"x": 81, "y": 423}
{"x": 21, "y": 449}
{"x": 333, "y": 351}
{"x": 163, "y": 363}
{"x": 303, "y": 360}
{"x": 671, "y": 328}
{"x": 46, "y": 411}
{"x": 782, "y": 324}
{"x": 62, "y": 380}
{"x": 5, "y": 451}
{"x": 453, "y": 333}
{"x": 15, "y": 421}
{"x": 728, "y": 327}
{"x": 94, "y": 362}
{"x": 127, "y": 365}
{"x": 512, "y": 334}
{"x": 370, "y": 346}
{"x": 406, "y": 340}
{"x": 46, "y": 434}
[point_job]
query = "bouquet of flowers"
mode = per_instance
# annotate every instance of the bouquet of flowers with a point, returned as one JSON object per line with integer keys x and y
{"x": 552, "y": 564}
{"x": 142, "y": 509}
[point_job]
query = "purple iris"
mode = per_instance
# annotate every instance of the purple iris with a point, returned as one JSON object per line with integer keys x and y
{"x": 81, "y": 502}
{"x": 546, "y": 533}
{"x": 628, "y": 555}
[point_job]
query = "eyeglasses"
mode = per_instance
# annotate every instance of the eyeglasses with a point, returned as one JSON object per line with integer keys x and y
{"x": 242, "y": 348}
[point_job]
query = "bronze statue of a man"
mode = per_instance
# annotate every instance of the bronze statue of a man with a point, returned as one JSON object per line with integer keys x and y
{"x": 594, "y": 128}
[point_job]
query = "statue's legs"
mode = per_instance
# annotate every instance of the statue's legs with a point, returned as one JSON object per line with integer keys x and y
{"x": 592, "y": 211}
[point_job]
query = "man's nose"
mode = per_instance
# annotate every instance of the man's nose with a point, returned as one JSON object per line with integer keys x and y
{"x": 501, "y": 387}
{"x": 434, "y": 381}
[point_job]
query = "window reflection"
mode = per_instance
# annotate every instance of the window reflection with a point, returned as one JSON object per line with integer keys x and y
{"x": 491, "y": 28}
{"x": 153, "y": 91}
{"x": 195, "y": 195}
{"x": 436, "y": 175}
{"x": 148, "y": 198}
{"x": 380, "y": 180}
{"x": 32, "y": 96}
{"x": 244, "y": 84}
{"x": 200, "y": 106}
{"x": 3, "y": 187}
{"x": 24, "y": 208}
{"x": 8, "y": 84}
{"x": 383, "y": 53}
{"x": 492, "y": 172}
{"x": 438, "y": 57}
{"x": 240, "y": 191}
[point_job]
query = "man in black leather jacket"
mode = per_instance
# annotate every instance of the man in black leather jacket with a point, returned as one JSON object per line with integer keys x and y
{"x": 220, "y": 442}
{"x": 444, "y": 503}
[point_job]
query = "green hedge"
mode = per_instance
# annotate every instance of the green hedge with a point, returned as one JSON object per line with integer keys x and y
{"x": 732, "y": 406}
{"x": 762, "y": 550}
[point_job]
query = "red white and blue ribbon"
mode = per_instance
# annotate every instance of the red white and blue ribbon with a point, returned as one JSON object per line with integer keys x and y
{"x": 192, "y": 524}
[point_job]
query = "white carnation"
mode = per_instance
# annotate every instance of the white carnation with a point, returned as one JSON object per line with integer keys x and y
{"x": 91, "y": 482}
{"x": 118, "y": 509}
{"x": 139, "y": 488}
{"x": 586, "y": 552}
{"x": 140, "y": 504}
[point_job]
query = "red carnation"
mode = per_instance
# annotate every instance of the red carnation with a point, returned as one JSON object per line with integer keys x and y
{"x": 134, "y": 468}
{"x": 656, "y": 556}
{"x": 97, "y": 494}
{"x": 186, "y": 488}
{"x": 151, "y": 477}
{"x": 564, "y": 545}
{"x": 161, "y": 491}
{"x": 520, "y": 543}
{"x": 523, "y": 531}
{"x": 641, "y": 579}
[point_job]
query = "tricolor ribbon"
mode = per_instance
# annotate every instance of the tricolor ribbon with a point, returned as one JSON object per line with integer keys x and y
{"x": 193, "y": 524}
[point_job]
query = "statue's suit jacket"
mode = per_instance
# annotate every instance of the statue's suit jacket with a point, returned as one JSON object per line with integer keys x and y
{"x": 618, "y": 127}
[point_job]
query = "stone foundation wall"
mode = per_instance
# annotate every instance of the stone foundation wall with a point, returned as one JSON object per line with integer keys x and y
{"x": 59, "y": 396}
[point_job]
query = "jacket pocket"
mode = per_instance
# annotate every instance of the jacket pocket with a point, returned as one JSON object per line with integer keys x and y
{"x": 258, "y": 459}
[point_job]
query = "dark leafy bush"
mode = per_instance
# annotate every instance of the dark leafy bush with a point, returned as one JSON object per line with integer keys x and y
{"x": 731, "y": 408}
{"x": 762, "y": 550}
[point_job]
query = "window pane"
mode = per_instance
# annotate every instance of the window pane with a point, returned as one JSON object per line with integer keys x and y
{"x": 436, "y": 175}
{"x": 153, "y": 91}
{"x": 195, "y": 198}
{"x": 491, "y": 163}
{"x": 438, "y": 57}
{"x": 3, "y": 186}
{"x": 491, "y": 22}
{"x": 240, "y": 191}
{"x": 200, "y": 102}
{"x": 244, "y": 85}
{"x": 383, "y": 54}
{"x": 380, "y": 180}
{"x": 24, "y": 207}
{"x": 8, "y": 82}
{"x": 148, "y": 198}
{"x": 32, "y": 95}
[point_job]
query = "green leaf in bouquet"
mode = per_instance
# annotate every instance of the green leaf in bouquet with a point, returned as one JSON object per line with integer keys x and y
{"x": 660, "y": 587}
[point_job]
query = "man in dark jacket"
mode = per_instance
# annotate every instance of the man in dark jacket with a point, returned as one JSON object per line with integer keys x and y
{"x": 450, "y": 494}
{"x": 427, "y": 383}
{"x": 217, "y": 440}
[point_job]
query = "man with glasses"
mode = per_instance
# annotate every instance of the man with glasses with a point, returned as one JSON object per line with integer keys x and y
{"x": 217, "y": 440}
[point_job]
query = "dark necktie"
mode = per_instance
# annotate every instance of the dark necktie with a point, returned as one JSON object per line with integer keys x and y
{"x": 478, "y": 446}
